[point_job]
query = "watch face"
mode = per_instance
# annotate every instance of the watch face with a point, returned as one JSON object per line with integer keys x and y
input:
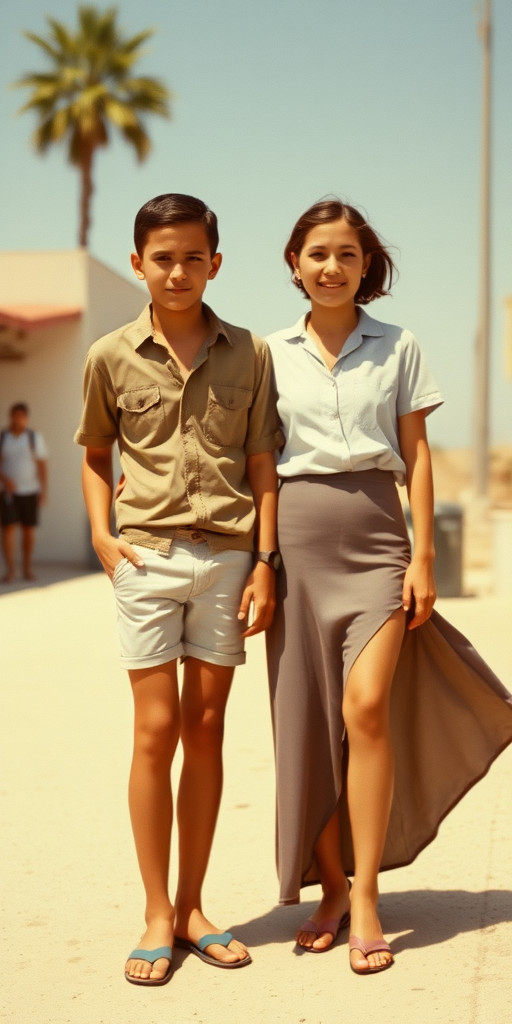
{"x": 272, "y": 558}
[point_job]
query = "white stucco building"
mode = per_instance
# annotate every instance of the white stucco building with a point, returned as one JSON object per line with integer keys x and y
{"x": 53, "y": 306}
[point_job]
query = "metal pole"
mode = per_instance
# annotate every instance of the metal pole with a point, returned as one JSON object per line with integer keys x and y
{"x": 484, "y": 313}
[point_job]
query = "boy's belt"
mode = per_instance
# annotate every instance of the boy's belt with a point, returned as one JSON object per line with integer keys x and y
{"x": 191, "y": 534}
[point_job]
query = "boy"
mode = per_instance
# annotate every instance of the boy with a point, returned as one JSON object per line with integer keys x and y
{"x": 191, "y": 402}
{"x": 23, "y": 483}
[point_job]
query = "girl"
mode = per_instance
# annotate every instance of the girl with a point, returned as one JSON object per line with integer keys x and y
{"x": 384, "y": 715}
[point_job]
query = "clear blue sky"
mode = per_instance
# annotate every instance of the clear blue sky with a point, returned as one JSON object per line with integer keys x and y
{"x": 277, "y": 103}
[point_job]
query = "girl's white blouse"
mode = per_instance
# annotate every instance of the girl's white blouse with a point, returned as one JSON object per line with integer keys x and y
{"x": 345, "y": 419}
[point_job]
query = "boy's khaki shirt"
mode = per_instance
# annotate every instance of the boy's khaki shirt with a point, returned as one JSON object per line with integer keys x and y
{"x": 183, "y": 446}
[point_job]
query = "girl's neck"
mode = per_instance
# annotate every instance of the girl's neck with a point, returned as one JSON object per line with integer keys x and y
{"x": 333, "y": 323}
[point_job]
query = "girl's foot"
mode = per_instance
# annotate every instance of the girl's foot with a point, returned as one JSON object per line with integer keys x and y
{"x": 159, "y": 932}
{"x": 194, "y": 925}
{"x": 334, "y": 904}
{"x": 366, "y": 925}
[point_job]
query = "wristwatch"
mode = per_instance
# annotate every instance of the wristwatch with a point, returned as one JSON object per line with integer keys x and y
{"x": 271, "y": 558}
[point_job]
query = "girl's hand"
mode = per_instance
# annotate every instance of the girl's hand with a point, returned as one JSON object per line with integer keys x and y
{"x": 419, "y": 583}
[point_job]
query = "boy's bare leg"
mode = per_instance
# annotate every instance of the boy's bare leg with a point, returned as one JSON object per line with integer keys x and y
{"x": 28, "y": 538}
{"x": 8, "y": 549}
{"x": 203, "y": 702}
{"x": 157, "y": 725}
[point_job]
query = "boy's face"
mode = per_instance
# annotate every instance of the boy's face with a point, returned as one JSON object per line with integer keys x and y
{"x": 18, "y": 421}
{"x": 176, "y": 265}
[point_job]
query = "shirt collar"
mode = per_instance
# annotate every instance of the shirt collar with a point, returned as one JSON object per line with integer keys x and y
{"x": 367, "y": 327}
{"x": 142, "y": 328}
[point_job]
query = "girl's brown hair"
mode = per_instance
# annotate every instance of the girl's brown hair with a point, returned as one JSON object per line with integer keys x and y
{"x": 382, "y": 270}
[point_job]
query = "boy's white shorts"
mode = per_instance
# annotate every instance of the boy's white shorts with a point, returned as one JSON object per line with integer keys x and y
{"x": 184, "y": 603}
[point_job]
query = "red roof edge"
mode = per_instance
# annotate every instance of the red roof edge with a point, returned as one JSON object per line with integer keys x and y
{"x": 32, "y": 316}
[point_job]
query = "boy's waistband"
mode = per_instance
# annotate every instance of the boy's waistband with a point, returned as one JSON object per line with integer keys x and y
{"x": 163, "y": 541}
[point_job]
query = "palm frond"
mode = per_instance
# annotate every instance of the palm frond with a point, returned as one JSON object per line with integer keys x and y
{"x": 139, "y": 139}
{"x": 43, "y": 43}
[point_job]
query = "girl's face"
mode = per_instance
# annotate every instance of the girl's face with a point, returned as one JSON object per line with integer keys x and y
{"x": 331, "y": 264}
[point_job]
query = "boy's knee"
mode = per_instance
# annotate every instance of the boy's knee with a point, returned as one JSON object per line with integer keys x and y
{"x": 157, "y": 736}
{"x": 203, "y": 731}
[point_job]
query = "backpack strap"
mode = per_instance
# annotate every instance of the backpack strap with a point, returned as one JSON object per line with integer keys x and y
{"x": 32, "y": 440}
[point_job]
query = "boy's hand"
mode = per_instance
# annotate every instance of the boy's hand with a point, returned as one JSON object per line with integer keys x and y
{"x": 111, "y": 550}
{"x": 260, "y": 590}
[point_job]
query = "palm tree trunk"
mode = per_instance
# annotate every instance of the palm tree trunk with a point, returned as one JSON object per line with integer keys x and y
{"x": 87, "y": 189}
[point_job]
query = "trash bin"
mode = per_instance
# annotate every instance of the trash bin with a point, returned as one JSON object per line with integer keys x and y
{"x": 448, "y": 523}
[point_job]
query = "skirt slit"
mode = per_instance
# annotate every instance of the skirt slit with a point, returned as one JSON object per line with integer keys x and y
{"x": 345, "y": 551}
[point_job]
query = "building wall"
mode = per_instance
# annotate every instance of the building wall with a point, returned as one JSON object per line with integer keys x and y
{"x": 49, "y": 379}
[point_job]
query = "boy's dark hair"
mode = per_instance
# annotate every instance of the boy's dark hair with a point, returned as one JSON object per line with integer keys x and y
{"x": 174, "y": 208}
{"x": 19, "y": 407}
{"x": 381, "y": 271}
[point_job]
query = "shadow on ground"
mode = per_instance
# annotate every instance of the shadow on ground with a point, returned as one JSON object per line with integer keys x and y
{"x": 426, "y": 917}
{"x": 47, "y": 574}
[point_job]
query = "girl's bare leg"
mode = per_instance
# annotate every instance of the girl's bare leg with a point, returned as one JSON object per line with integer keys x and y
{"x": 157, "y": 726}
{"x": 203, "y": 703}
{"x": 335, "y": 900}
{"x": 370, "y": 774}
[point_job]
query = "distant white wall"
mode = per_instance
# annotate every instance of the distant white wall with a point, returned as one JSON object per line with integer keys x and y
{"x": 59, "y": 277}
{"x": 49, "y": 379}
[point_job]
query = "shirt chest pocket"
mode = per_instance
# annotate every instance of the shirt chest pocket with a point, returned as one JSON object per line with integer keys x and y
{"x": 142, "y": 414}
{"x": 225, "y": 423}
{"x": 369, "y": 400}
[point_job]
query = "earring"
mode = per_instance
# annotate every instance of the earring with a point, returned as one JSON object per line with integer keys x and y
{"x": 296, "y": 278}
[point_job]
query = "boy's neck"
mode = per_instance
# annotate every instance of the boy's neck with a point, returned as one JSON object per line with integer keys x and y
{"x": 183, "y": 332}
{"x": 180, "y": 326}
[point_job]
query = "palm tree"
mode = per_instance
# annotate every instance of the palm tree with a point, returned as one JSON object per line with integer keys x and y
{"x": 89, "y": 88}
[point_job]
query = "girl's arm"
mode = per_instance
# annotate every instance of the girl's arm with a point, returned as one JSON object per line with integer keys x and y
{"x": 419, "y": 578}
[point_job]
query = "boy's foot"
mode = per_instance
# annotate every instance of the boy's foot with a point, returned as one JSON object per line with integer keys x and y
{"x": 333, "y": 905}
{"x": 366, "y": 924}
{"x": 195, "y": 925}
{"x": 9, "y": 577}
{"x": 158, "y": 933}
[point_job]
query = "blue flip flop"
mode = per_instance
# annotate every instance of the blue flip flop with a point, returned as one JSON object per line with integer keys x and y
{"x": 207, "y": 940}
{"x": 151, "y": 955}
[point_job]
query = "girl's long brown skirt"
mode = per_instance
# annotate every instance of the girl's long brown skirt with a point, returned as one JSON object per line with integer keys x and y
{"x": 345, "y": 551}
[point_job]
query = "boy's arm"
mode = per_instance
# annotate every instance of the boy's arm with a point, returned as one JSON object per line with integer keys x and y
{"x": 97, "y": 483}
{"x": 42, "y": 476}
{"x": 260, "y": 586}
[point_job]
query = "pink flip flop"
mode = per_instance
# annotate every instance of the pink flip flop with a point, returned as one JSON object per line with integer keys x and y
{"x": 334, "y": 925}
{"x": 377, "y": 946}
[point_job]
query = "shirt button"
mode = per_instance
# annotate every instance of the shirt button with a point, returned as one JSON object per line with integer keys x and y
{"x": 140, "y": 403}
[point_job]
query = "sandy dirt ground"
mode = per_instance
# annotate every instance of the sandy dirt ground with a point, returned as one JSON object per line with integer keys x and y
{"x": 71, "y": 898}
